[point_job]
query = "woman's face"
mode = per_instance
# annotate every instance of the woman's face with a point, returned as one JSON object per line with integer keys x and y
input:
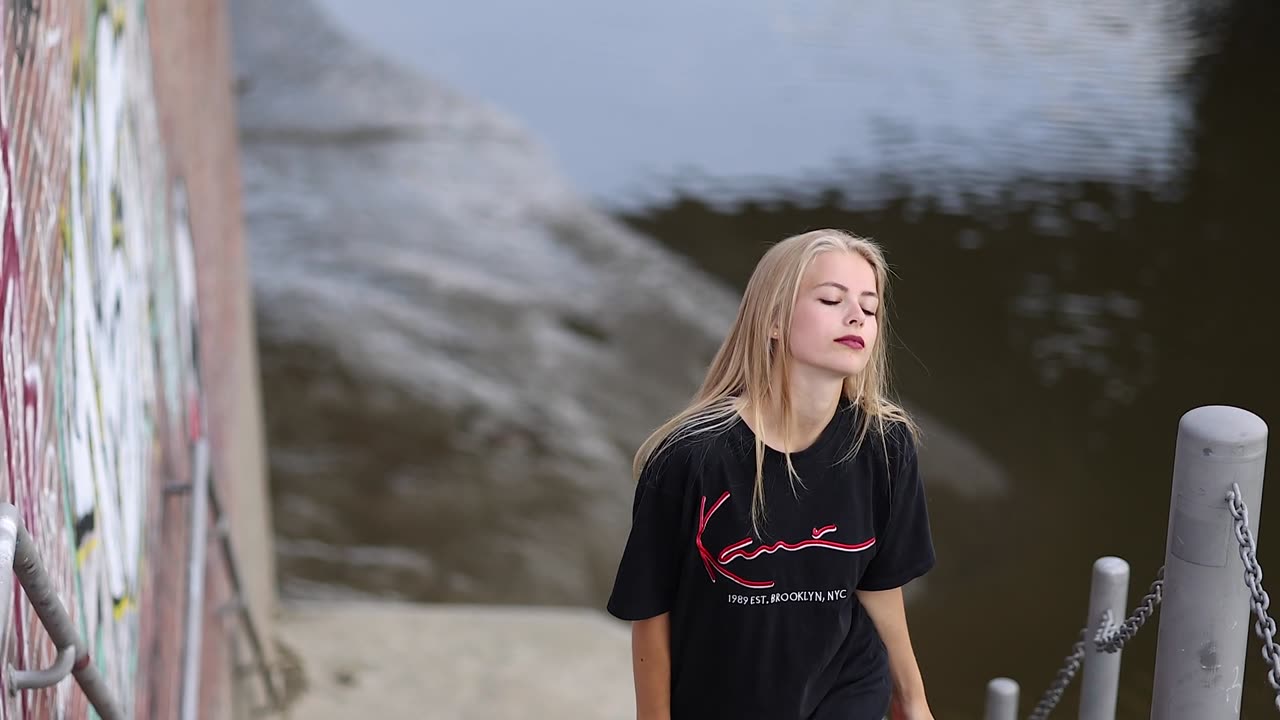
{"x": 834, "y": 325}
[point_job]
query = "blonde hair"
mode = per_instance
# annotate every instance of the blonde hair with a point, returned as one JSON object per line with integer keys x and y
{"x": 744, "y": 365}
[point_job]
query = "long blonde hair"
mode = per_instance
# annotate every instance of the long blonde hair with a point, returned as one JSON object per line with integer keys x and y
{"x": 744, "y": 365}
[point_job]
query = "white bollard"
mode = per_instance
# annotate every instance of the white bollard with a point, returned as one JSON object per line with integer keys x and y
{"x": 1100, "y": 678}
{"x": 1205, "y": 627}
{"x": 1002, "y": 700}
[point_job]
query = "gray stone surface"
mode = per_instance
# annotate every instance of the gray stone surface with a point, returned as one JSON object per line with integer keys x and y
{"x": 399, "y": 660}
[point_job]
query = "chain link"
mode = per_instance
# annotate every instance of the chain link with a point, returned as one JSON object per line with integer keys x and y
{"x": 1070, "y": 666}
{"x": 1109, "y": 638}
{"x": 1265, "y": 627}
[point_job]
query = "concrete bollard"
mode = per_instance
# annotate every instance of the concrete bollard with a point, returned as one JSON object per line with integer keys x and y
{"x": 1002, "y": 700}
{"x": 1205, "y": 626}
{"x": 1100, "y": 678}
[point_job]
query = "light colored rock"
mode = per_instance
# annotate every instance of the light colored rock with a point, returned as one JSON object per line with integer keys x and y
{"x": 396, "y": 660}
{"x": 460, "y": 354}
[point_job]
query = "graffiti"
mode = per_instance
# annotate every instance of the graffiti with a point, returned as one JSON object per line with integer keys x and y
{"x": 28, "y": 466}
{"x": 105, "y": 377}
{"x": 177, "y": 321}
{"x": 107, "y": 364}
{"x": 175, "y": 329}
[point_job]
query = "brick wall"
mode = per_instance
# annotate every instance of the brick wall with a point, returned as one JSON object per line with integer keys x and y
{"x": 127, "y": 337}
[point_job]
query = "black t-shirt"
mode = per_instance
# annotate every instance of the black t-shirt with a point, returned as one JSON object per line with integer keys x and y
{"x": 770, "y": 628}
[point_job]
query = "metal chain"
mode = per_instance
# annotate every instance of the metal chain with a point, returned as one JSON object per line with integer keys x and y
{"x": 1265, "y": 627}
{"x": 1111, "y": 638}
{"x": 1070, "y": 666}
{"x": 1108, "y": 638}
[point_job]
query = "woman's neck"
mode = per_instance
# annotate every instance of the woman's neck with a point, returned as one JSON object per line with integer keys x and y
{"x": 813, "y": 404}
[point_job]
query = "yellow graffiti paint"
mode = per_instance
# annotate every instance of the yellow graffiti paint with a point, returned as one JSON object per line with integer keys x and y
{"x": 64, "y": 226}
{"x": 75, "y": 65}
{"x": 122, "y": 607}
{"x": 85, "y": 550}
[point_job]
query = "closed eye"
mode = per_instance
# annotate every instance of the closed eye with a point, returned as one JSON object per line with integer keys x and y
{"x": 828, "y": 302}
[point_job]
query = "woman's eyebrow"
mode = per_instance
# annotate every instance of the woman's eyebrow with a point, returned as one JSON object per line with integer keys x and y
{"x": 842, "y": 288}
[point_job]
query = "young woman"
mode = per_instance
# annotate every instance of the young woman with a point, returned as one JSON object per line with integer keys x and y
{"x": 777, "y": 518}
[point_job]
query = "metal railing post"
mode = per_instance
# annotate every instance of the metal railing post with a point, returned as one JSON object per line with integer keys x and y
{"x": 17, "y": 551}
{"x": 1204, "y": 619}
{"x": 205, "y": 503}
{"x": 197, "y": 552}
{"x": 275, "y": 695}
{"x": 9, "y": 522}
{"x": 1100, "y": 676}
{"x": 1002, "y": 700}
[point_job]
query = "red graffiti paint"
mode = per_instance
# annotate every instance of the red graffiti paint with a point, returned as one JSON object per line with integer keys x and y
{"x": 10, "y": 278}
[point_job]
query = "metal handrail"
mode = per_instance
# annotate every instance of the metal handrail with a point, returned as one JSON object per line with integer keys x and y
{"x": 18, "y": 552}
{"x": 242, "y": 605}
{"x": 205, "y": 499}
{"x": 194, "y": 625}
{"x": 31, "y": 679}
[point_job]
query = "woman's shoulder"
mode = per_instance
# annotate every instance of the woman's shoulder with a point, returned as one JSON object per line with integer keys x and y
{"x": 887, "y": 435}
{"x": 900, "y": 432}
{"x": 688, "y": 449}
{"x": 900, "y": 437}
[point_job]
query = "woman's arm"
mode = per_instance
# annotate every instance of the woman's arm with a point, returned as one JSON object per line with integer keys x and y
{"x": 651, "y": 664}
{"x": 889, "y": 615}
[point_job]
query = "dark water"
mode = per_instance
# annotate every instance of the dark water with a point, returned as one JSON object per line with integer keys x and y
{"x": 1067, "y": 335}
{"x": 1069, "y": 283}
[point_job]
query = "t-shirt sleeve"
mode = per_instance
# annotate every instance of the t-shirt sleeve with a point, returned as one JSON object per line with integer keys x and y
{"x": 904, "y": 551}
{"x": 661, "y": 522}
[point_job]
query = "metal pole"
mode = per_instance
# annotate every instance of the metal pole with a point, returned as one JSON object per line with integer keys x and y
{"x": 246, "y": 616}
{"x": 48, "y": 677}
{"x": 1002, "y": 700}
{"x": 1204, "y": 617}
{"x": 9, "y": 522}
{"x": 195, "y": 582}
{"x": 44, "y": 600}
{"x": 1100, "y": 678}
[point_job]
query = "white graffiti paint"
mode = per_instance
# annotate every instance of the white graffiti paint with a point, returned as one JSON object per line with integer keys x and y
{"x": 177, "y": 316}
{"x": 108, "y": 410}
